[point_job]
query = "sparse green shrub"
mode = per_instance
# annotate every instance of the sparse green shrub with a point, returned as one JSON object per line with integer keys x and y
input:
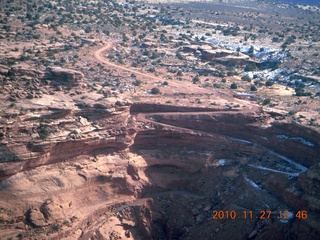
{"x": 12, "y": 105}
{"x": 8, "y": 157}
{"x": 246, "y": 78}
{"x": 155, "y": 90}
{"x": 99, "y": 105}
{"x": 217, "y": 85}
{"x": 179, "y": 56}
{"x": 232, "y": 73}
{"x": 250, "y": 67}
{"x": 233, "y": 86}
{"x": 20, "y": 236}
{"x": 152, "y": 69}
{"x": 82, "y": 105}
{"x": 196, "y": 79}
{"x": 301, "y": 92}
{"x": 44, "y": 120}
{"x": 266, "y": 101}
{"x": 251, "y": 50}
{"x": 269, "y": 83}
{"x": 137, "y": 83}
{"x": 43, "y": 132}
{"x": 253, "y": 88}
{"x": 54, "y": 228}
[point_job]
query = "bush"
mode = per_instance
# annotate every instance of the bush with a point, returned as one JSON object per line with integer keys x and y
{"x": 266, "y": 101}
{"x": 301, "y": 92}
{"x": 269, "y": 83}
{"x": 250, "y": 67}
{"x": 152, "y": 70}
{"x": 251, "y": 50}
{"x": 82, "y": 105}
{"x": 99, "y": 106}
{"x": 253, "y": 88}
{"x": 179, "y": 73}
{"x": 196, "y": 79}
{"x": 217, "y": 85}
{"x": 155, "y": 90}
{"x": 232, "y": 73}
{"x": 43, "y": 132}
{"x": 179, "y": 56}
{"x": 8, "y": 157}
{"x": 246, "y": 78}
{"x": 233, "y": 86}
{"x": 137, "y": 83}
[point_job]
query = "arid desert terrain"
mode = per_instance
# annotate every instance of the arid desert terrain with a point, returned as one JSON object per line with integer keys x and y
{"x": 159, "y": 120}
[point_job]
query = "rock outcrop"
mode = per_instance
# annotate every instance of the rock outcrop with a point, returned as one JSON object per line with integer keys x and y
{"x": 310, "y": 183}
{"x": 120, "y": 170}
{"x": 64, "y": 76}
{"x": 4, "y": 70}
{"x": 63, "y": 134}
{"x": 26, "y": 71}
{"x": 36, "y": 218}
{"x": 218, "y": 53}
{"x": 243, "y": 126}
{"x": 222, "y": 56}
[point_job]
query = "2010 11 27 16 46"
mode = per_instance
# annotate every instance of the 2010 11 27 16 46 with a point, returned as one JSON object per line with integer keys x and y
{"x": 262, "y": 214}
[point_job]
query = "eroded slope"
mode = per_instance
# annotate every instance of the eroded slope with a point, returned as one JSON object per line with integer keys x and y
{"x": 163, "y": 175}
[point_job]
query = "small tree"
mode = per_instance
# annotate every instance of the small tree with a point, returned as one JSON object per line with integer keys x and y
{"x": 196, "y": 79}
{"x": 88, "y": 29}
{"x": 250, "y": 67}
{"x": 246, "y": 78}
{"x": 155, "y": 90}
{"x": 233, "y": 86}
{"x": 266, "y": 101}
{"x": 137, "y": 83}
{"x": 253, "y": 88}
{"x": 269, "y": 83}
{"x": 43, "y": 132}
{"x": 251, "y": 51}
{"x": 179, "y": 56}
{"x": 238, "y": 51}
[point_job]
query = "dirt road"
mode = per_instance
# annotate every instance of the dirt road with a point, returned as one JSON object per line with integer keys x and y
{"x": 98, "y": 55}
{"x": 178, "y": 86}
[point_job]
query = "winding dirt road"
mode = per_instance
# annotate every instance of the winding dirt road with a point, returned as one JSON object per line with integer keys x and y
{"x": 98, "y": 55}
{"x": 174, "y": 85}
